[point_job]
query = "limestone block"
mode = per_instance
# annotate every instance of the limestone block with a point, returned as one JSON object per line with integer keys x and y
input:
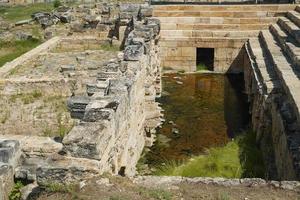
{"x": 10, "y": 152}
{"x": 35, "y": 146}
{"x": 76, "y": 105}
{"x": 64, "y": 170}
{"x": 188, "y": 51}
{"x": 90, "y": 139}
{"x": 133, "y": 52}
{"x": 6, "y": 180}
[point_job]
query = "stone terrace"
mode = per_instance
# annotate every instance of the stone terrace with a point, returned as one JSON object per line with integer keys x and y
{"x": 223, "y": 27}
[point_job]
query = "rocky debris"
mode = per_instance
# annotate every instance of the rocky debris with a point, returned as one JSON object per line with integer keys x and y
{"x": 48, "y": 35}
{"x": 20, "y": 35}
{"x": 77, "y": 26}
{"x": 4, "y": 25}
{"x": 45, "y": 19}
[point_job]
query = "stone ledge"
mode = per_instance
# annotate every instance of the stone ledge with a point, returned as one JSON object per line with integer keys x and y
{"x": 158, "y": 181}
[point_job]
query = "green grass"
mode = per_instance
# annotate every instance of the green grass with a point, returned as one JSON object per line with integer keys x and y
{"x": 14, "y": 49}
{"x": 201, "y": 67}
{"x": 219, "y": 162}
{"x": 237, "y": 159}
{"x": 17, "y": 13}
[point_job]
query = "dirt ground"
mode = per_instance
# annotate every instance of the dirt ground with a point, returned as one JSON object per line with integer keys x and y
{"x": 118, "y": 188}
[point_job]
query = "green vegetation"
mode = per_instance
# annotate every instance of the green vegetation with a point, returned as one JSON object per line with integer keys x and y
{"x": 158, "y": 194}
{"x": 237, "y": 159}
{"x": 15, "y": 193}
{"x": 22, "y": 12}
{"x": 109, "y": 47}
{"x": 60, "y": 188}
{"x": 219, "y": 162}
{"x": 27, "y": 98}
{"x": 56, "y": 3}
{"x": 201, "y": 67}
{"x": 9, "y": 50}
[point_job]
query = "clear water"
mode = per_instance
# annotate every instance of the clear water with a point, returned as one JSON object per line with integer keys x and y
{"x": 201, "y": 111}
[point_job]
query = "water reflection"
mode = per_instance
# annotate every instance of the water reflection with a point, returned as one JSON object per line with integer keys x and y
{"x": 201, "y": 110}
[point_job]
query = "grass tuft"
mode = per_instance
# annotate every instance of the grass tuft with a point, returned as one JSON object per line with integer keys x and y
{"x": 240, "y": 158}
{"x": 14, "y": 49}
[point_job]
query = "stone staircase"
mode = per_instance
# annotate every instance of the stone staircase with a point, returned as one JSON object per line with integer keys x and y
{"x": 275, "y": 54}
{"x": 222, "y": 27}
{"x": 231, "y": 18}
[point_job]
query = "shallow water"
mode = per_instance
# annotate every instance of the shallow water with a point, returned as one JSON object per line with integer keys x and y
{"x": 201, "y": 111}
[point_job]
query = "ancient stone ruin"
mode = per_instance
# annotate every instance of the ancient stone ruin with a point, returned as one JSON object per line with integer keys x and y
{"x": 72, "y": 110}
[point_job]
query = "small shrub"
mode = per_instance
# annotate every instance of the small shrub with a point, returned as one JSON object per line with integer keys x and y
{"x": 56, "y": 3}
{"x": 60, "y": 188}
{"x": 15, "y": 194}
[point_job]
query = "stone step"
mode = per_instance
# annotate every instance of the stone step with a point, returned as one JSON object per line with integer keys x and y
{"x": 294, "y": 16}
{"x": 290, "y": 27}
{"x": 287, "y": 43}
{"x": 182, "y": 26}
{"x": 273, "y": 7}
{"x": 235, "y": 14}
{"x": 207, "y": 33}
{"x": 217, "y": 20}
{"x": 283, "y": 68}
{"x": 261, "y": 66}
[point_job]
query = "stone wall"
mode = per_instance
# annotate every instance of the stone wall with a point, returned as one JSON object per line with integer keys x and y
{"x": 274, "y": 106}
{"x": 180, "y": 54}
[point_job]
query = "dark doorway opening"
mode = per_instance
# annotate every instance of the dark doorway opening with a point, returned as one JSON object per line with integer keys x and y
{"x": 205, "y": 59}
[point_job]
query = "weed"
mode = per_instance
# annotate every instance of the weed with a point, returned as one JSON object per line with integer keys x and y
{"x": 223, "y": 196}
{"x": 60, "y": 188}
{"x": 160, "y": 194}
{"x": 26, "y": 98}
{"x": 15, "y": 193}
{"x": 116, "y": 198}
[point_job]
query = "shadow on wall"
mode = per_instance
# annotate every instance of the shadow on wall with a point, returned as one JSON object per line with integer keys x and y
{"x": 237, "y": 65}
